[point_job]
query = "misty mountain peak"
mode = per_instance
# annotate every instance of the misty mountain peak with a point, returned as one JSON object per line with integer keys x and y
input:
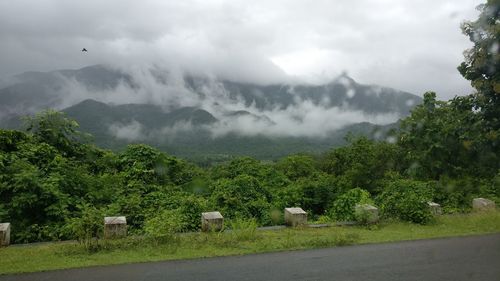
{"x": 203, "y": 100}
{"x": 344, "y": 79}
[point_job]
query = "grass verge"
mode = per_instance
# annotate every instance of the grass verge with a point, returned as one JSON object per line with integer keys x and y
{"x": 52, "y": 256}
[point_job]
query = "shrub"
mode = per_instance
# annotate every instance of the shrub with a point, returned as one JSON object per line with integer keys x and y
{"x": 276, "y": 216}
{"x": 361, "y": 216}
{"x": 296, "y": 166}
{"x": 241, "y": 197}
{"x": 88, "y": 228}
{"x": 406, "y": 200}
{"x": 163, "y": 227}
{"x": 191, "y": 208}
{"x": 343, "y": 207}
{"x": 455, "y": 195}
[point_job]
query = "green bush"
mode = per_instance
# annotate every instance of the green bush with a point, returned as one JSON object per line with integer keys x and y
{"x": 296, "y": 166}
{"x": 456, "y": 194}
{"x": 364, "y": 216}
{"x": 88, "y": 227}
{"x": 406, "y": 200}
{"x": 241, "y": 197}
{"x": 276, "y": 216}
{"x": 343, "y": 207}
{"x": 163, "y": 227}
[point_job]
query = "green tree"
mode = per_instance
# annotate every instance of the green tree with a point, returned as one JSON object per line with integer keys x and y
{"x": 406, "y": 200}
{"x": 144, "y": 164}
{"x": 241, "y": 197}
{"x": 361, "y": 163}
{"x": 88, "y": 227}
{"x": 297, "y": 166}
{"x": 482, "y": 63}
{"x": 481, "y": 66}
{"x": 343, "y": 208}
{"x": 446, "y": 138}
{"x": 237, "y": 167}
{"x": 54, "y": 128}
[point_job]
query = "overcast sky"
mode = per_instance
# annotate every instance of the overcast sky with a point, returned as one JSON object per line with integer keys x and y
{"x": 411, "y": 45}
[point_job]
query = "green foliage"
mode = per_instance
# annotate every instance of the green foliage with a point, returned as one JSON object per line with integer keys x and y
{"x": 164, "y": 225}
{"x": 446, "y": 138}
{"x": 55, "y": 129}
{"x": 455, "y": 195}
{"x": 238, "y": 166}
{"x": 297, "y": 166}
{"x": 313, "y": 194}
{"x": 482, "y": 63}
{"x": 343, "y": 207}
{"x": 243, "y": 229}
{"x": 361, "y": 216}
{"x": 144, "y": 164}
{"x": 191, "y": 208}
{"x": 10, "y": 140}
{"x": 87, "y": 228}
{"x": 461, "y": 137}
{"x": 362, "y": 163}
{"x": 241, "y": 197}
{"x": 406, "y": 200}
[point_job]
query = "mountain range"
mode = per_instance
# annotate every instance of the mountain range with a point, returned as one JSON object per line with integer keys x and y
{"x": 202, "y": 117}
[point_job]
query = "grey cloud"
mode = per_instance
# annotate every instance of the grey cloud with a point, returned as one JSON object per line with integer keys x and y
{"x": 411, "y": 45}
{"x": 304, "y": 118}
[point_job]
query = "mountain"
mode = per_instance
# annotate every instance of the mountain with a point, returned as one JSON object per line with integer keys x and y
{"x": 147, "y": 123}
{"x": 341, "y": 92}
{"x": 31, "y": 92}
{"x": 199, "y": 117}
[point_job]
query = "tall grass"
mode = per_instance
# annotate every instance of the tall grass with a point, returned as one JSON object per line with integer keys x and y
{"x": 243, "y": 230}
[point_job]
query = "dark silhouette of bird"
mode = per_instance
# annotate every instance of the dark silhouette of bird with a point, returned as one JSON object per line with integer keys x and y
{"x": 84, "y": 50}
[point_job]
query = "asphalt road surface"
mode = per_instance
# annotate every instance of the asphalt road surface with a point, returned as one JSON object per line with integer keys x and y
{"x": 466, "y": 258}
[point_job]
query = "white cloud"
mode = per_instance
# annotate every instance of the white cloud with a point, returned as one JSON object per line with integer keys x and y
{"x": 303, "y": 118}
{"x": 132, "y": 131}
{"x": 411, "y": 45}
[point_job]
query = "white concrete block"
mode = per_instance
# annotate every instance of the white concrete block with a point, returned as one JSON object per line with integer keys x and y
{"x": 435, "y": 208}
{"x": 212, "y": 221}
{"x": 4, "y": 234}
{"x": 115, "y": 227}
{"x": 482, "y": 204}
{"x": 295, "y": 216}
{"x": 366, "y": 212}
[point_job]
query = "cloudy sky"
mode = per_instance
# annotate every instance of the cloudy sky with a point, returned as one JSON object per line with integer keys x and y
{"x": 411, "y": 45}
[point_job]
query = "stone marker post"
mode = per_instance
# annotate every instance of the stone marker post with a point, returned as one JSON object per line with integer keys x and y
{"x": 212, "y": 221}
{"x": 295, "y": 217}
{"x": 482, "y": 204}
{"x": 4, "y": 234}
{"x": 366, "y": 212}
{"x": 115, "y": 227}
{"x": 435, "y": 208}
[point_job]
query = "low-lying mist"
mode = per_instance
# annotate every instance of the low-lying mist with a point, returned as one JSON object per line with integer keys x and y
{"x": 246, "y": 110}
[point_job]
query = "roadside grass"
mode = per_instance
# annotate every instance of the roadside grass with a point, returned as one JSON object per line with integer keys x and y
{"x": 244, "y": 240}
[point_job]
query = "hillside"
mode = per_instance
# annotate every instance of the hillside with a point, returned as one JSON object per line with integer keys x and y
{"x": 199, "y": 117}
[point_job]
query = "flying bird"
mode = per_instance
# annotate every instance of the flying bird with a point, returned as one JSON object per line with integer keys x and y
{"x": 84, "y": 50}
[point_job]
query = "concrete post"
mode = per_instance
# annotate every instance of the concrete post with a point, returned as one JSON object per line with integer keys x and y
{"x": 212, "y": 221}
{"x": 115, "y": 227}
{"x": 295, "y": 217}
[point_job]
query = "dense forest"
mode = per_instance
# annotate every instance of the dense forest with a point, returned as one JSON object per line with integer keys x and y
{"x": 54, "y": 183}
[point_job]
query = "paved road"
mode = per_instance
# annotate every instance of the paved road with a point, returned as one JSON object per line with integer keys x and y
{"x": 468, "y": 258}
